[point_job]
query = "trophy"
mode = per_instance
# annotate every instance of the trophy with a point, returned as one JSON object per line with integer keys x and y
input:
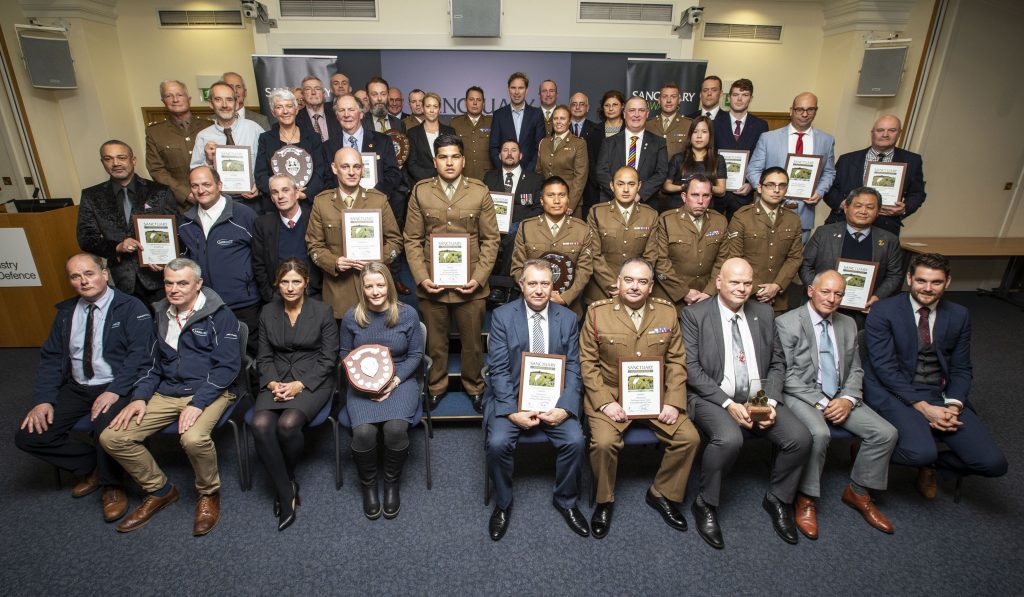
{"x": 370, "y": 368}
{"x": 563, "y": 270}
{"x": 757, "y": 407}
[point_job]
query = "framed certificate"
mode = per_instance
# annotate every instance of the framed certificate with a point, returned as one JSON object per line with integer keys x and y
{"x": 640, "y": 387}
{"x": 362, "y": 234}
{"x": 158, "y": 238}
{"x": 370, "y": 173}
{"x": 735, "y": 167}
{"x": 503, "y": 210}
{"x": 541, "y": 381}
{"x": 449, "y": 260}
{"x": 804, "y": 172}
{"x": 887, "y": 178}
{"x": 860, "y": 277}
{"x": 234, "y": 165}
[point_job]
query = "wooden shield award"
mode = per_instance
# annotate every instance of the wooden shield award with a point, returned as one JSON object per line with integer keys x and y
{"x": 369, "y": 368}
{"x": 563, "y": 270}
{"x": 401, "y": 143}
{"x": 295, "y": 161}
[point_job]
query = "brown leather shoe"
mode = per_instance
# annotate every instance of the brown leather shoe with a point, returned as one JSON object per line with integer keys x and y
{"x": 864, "y": 505}
{"x": 87, "y": 485}
{"x": 149, "y": 506}
{"x": 926, "y": 482}
{"x": 207, "y": 514}
{"x": 806, "y": 516}
{"x": 115, "y": 503}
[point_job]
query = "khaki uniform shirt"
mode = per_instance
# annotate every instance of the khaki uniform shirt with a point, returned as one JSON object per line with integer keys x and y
{"x": 674, "y": 134}
{"x": 774, "y": 251}
{"x": 574, "y": 239}
{"x": 569, "y": 162}
{"x": 169, "y": 152}
{"x": 477, "y": 139}
{"x": 616, "y": 240}
{"x": 689, "y": 258}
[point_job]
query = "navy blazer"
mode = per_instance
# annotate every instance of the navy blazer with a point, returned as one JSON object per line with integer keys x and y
{"x": 530, "y": 134}
{"x": 389, "y": 175}
{"x": 270, "y": 141}
{"x": 850, "y": 175}
{"x": 420, "y": 163}
{"x": 753, "y": 128}
{"x": 127, "y": 335}
{"x": 509, "y": 338}
{"x": 305, "y": 122}
{"x": 890, "y": 335}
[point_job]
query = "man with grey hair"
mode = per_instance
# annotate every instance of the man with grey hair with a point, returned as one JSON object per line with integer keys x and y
{"x": 193, "y": 362}
{"x": 281, "y": 234}
{"x": 237, "y": 82}
{"x": 169, "y": 143}
{"x": 316, "y": 117}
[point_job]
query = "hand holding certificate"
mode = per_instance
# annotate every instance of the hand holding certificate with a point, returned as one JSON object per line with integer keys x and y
{"x": 234, "y": 165}
{"x": 449, "y": 260}
{"x": 860, "y": 279}
{"x": 362, "y": 237}
{"x": 541, "y": 381}
{"x": 735, "y": 167}
{"x": 641, "y": 383}
{"x": 370, "y": 172}
{"x": 503, "y": 210}
{"x": 888, "y": 179}
{"x": 158, "y": 238}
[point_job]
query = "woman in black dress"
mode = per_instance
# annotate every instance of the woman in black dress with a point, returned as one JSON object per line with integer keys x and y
{"x": 296, "y": 362}
{"x": 698, "y": 155}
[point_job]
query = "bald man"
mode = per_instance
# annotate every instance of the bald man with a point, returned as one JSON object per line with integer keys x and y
{"x": 851, "y": 167}
{"x": 801, "y": 138}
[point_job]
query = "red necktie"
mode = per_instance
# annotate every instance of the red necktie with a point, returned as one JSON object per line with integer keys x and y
{"x": 800, "y": 143}
{"x": 291, "y": 223}
{"x": 923, "y": 333}
{"x": 736, "y": 133}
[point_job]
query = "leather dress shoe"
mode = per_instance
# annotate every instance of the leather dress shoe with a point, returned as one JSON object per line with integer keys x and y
{"x": 706, "y": 520}
{"x": 144, "y": 513}
{"x": 87, "y": 485}
{"x": 499, "y": 522}
{"x": 575, "y": 519}
{"x": 207, "y": 514}
{"x": 867, "y": 508}
{"x": 115, "y": 503}
{"x": 926, "y": 484}
{"x": 478, "y": 402}
{"x": 435, "y": 400}
{"x": 782, "y": 518}
{"x": 601, "y": 520}
{"x": 667, "y": 509}
{"x": 806, "y": 516}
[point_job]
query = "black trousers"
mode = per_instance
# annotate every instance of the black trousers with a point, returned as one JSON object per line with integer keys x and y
{"x": 56, "y": 445}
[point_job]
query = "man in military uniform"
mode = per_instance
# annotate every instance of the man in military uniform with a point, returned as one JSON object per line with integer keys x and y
{"x": 475, "y": 130}
{"x": 668, "y": 123}
{"x": 689, "y": 244}
{"x": 564, "y": 241}
{"x": 169, "y": 143}
{"x": 324, "y": 235}
{"x": 415, "y": 116}
{"x": 451, "y": 203}
{"x": 622, "y": 229}
{"x": 767, "y": 235}
{"x": 635, "y": 325}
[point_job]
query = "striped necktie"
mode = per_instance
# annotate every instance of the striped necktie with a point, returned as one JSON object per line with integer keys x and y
{"x": 631, "y": 156}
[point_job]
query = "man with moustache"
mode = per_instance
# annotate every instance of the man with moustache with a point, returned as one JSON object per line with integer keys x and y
{"x": 315, "y": 117}
{"x": 621, "y": 229}
{"x": 377, "y": 117}
{"x": 668, "y": 123}
{"x": 517, "y": 122}
{"x": 710, "y": 98}
{"x": 169, "y": 143}
{"x": 228, "y": 128}
{"x": 341, "y": 284}
{"x": 279, "y": 235}
{"x": 688, "y": 243}
{"x": 415, "y": 116}
{"x": 105, "y": 226}
{"x": 636, "y": 148}
{"x": 548, "y": 95}
{"x": 741, "y": 130}
{"x": 340, "y": 85}
{"x": 474, "y": 127}
{"x": 237, "y": 83}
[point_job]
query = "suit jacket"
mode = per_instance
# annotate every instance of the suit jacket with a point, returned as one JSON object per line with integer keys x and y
{"x": 265, "y": 233}
{"x": 420, "y": 164}
{"x": 593, "y": 134}
{"x": 753, "y": 128}
{"x": 772, "y": 149}
{"x": 389, "y": 175}
{"x": 393, "y": 123}
{"x": 850, "y": 175}
{"x": 652, "y": 167}
{"x": 305, "y": 122}
{"x": 258, "y": 118}
{"x": 797, "y": 349}
{"x": 526, "y": 203}
{"x": 102, "y": 226}
{"x": 308, "y": 353}
{"x": 705, "y": 348}
{"x": 890, "y": 334}
{"x": 530, "y": 133}
{"x": 270, "y": 141}
{"x": 570, "y": 162}
{"x": 826, "y": 246}
{"x": 510, "y": 337}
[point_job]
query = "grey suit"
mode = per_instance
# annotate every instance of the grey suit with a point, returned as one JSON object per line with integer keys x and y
{"x": 258, "y": 119}
{"x": 705, "y": 366}
{"x": 826, "y": 246}
{"x": 796, "y": 346}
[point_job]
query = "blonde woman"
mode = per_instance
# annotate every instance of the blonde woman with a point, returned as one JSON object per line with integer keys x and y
{"x": 420, "y": 164}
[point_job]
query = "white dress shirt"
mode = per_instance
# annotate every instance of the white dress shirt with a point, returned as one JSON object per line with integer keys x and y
{"x": 543, "y": 325}
{"x": 101, "y": 371}
{"x": 178, "y": 323}
{"x": 816, "y": 325}
{"x": 728, "y": 384}
{"x": 295, "y": 218}
{"x": 243, "y": 131}
{"x": 639, "y": 144}
{"x": 209, "y": 217}
{"x": 733, "y": 120}
{"x": 714, "y": 112}
{"x": 931, "y": 334}
{"x": 808, "y": 140}
{"x": 517, "y": 172}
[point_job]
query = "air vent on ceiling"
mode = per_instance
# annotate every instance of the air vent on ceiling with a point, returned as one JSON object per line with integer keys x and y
{"x": 350, "y": 9}
{"x": 200, "y": 18}
{"x": 625, "y": 11}
{"x": 738, "y": 32}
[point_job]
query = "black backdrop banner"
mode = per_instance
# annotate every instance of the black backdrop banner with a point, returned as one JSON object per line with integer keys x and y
{"x": 288, "y": 71}
{"x": 645, "y": 77}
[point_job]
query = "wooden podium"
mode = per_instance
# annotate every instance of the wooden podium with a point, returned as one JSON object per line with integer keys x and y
{"x": 28, "y": 312}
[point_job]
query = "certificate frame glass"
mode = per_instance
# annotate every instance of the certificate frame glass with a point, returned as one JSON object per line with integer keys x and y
{"x": 450, "y": 260}
{"x": 804, "y": 172}
{"x": 158, "y": 236}
{"x": 541, "y": 381}
{"x": 371, "y": 171}
{"x": 362, "y": 235}
{"x": 503, "y": 210}
{"x": 861, "y": 278}
{"x": 636, "y": 398}
{"x": 736, "y": 162}
{"x": 888, "y": 178}
{"x": 234, "y": 165}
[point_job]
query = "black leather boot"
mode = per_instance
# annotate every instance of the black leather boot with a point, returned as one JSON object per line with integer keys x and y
{"x": 394, "y": 460}
{"x": 366, "y": 465}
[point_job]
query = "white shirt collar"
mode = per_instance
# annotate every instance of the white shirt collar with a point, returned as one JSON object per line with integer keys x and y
{"x": 815, "y": 318}
{"x": 295, "y": 218}
{"x": 172, "y": 311}
{"x": 215, "y": 210}
{"x": 727, "y": 313}
{"x": 101, "y": 303}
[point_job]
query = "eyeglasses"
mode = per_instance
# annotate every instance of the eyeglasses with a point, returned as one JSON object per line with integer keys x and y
{"x": 805, "y": 110}
{"x": 776, "y": 186}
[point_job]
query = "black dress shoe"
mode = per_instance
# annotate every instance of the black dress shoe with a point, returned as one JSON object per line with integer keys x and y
{"x": 575, "y": 519}
{"x": 668, "y": 511}
{"x": 478, "y": 402}
{"x": 498, "y": 296}
{"x": 601, "y": 520}
{"x": 499, "y": 522}
{"x": 706, "y": 520}
{"x": 435, "y": 400}
{"x": 782, "y": 518}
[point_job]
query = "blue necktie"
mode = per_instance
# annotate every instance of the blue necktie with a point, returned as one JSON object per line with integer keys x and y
{"x": 352, "y": 142}
{"x": 827, "y": 362}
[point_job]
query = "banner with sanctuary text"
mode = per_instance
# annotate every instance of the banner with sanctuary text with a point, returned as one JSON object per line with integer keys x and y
{"x": 288, "y": 71}
{"x": 644, "y": 78}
